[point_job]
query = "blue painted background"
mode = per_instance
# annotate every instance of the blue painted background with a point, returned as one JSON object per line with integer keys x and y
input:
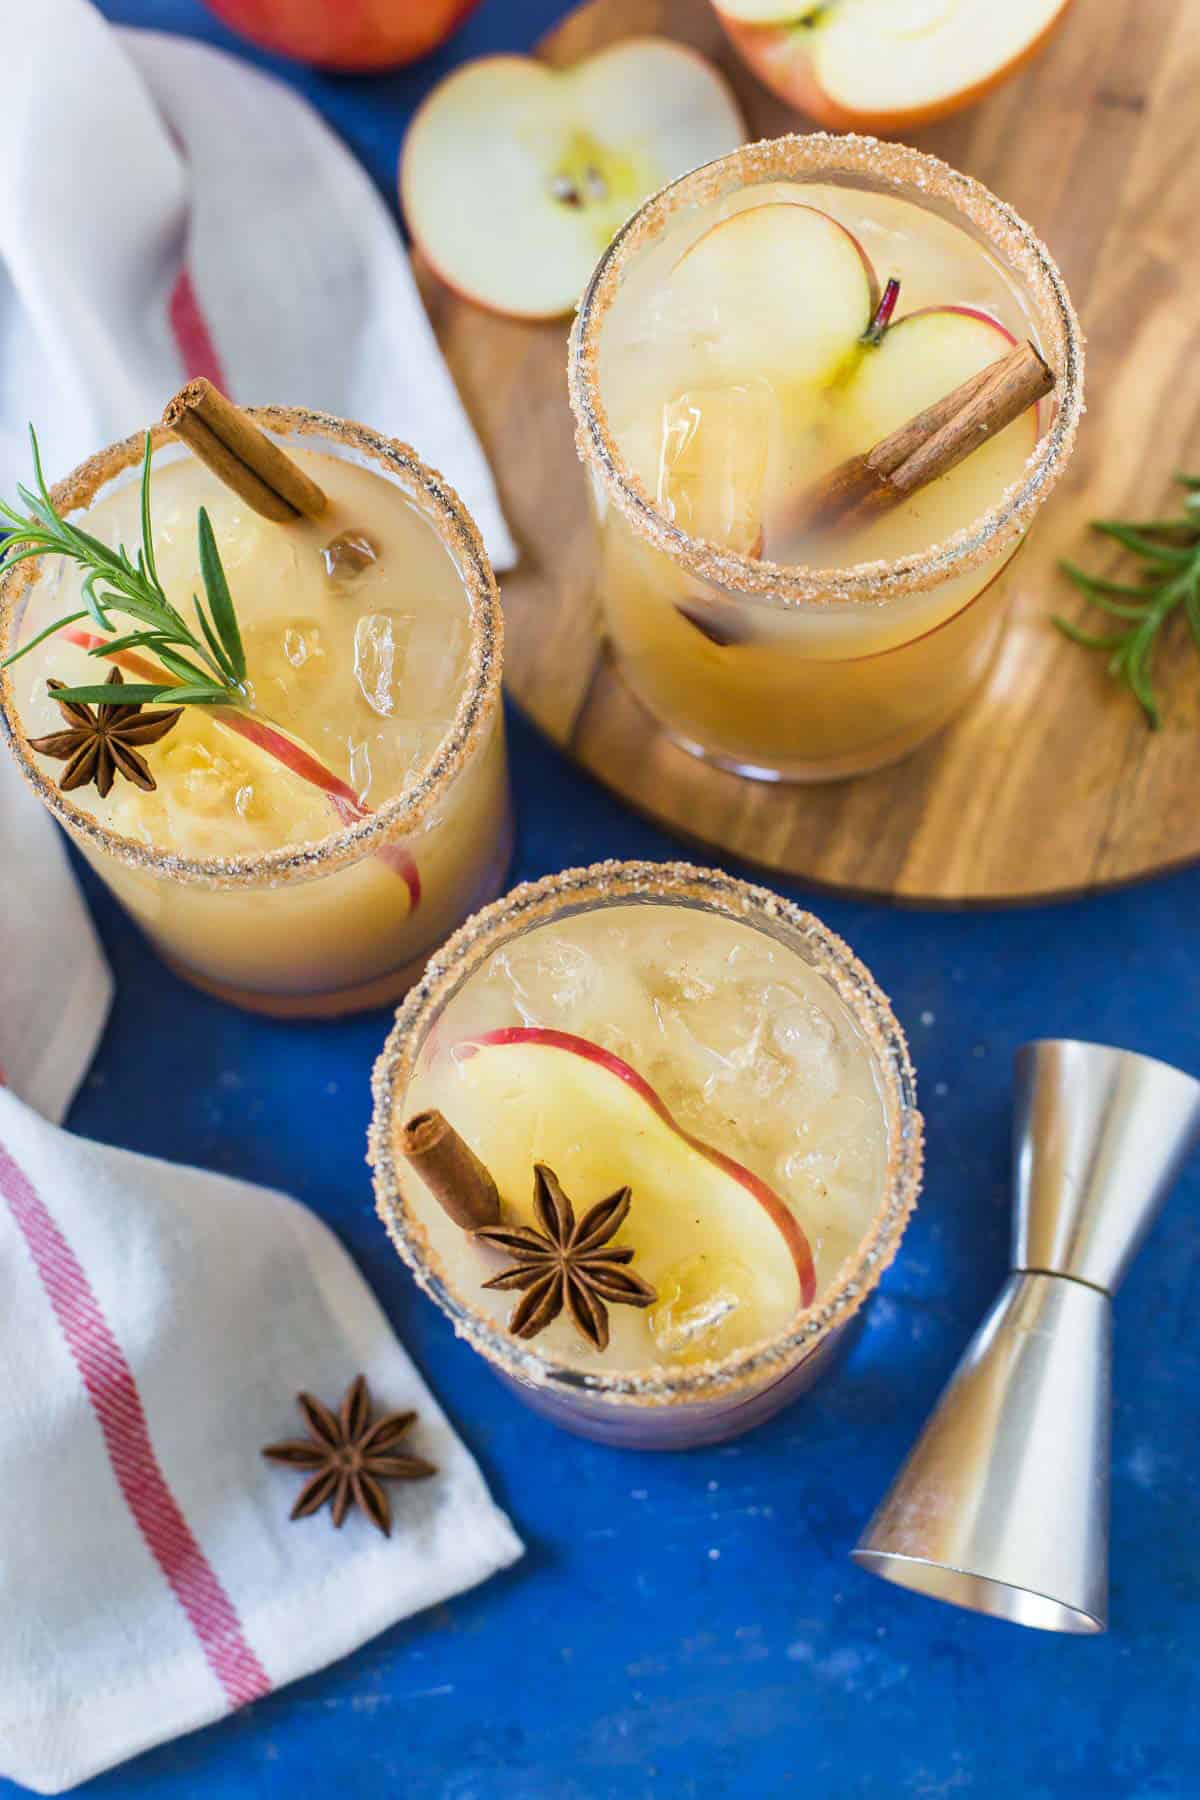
{"x": 690, "y": 1627}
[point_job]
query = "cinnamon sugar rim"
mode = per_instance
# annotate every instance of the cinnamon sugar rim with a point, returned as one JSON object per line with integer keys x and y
{"x": 601, "y": 884}
{"x": 915, "y": 175}
{"x": 397, "y": 817}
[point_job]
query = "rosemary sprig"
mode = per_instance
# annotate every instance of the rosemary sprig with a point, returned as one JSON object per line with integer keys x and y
{"x": 208, "y": 669}
{"x": 1169, "y": 549}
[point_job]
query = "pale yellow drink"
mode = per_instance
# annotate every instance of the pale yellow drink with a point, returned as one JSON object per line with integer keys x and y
{"x": 748, "y": 1048}
{"x": 379, "y": 659}
{"x": 710, "y": 1048}
{"x": 774, "y": 651}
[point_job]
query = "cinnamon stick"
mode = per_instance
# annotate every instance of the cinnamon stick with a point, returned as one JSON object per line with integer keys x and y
{"x": 450, "y": 1169}
{"x": 930, "y": 444}
{"x": 245, "y": 459}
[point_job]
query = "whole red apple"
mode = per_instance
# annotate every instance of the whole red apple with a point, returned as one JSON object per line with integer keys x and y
{"x": 345, "y": 34}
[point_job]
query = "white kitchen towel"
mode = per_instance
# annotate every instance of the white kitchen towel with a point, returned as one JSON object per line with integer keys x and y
{"x": 155, "y": 1326}
{"x": 55, "y": 987}
{"x": 167, "y": 211}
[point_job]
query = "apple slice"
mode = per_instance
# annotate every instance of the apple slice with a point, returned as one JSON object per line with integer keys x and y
{"x": 781, "y": 292}
{"x": 514, "y": 175}
{"x": 886, "y": 65}
{"x": 919, "y": 358}
{"x": 723, "y": 1250}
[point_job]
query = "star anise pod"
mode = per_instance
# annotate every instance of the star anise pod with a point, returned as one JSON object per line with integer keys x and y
{"x": 101, "y": 745}
{"x": 350, "y": 1457}
{"x": 567, "y": 1262}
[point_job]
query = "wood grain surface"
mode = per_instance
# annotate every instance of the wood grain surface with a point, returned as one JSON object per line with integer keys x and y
{"x": 1050, "y": 783}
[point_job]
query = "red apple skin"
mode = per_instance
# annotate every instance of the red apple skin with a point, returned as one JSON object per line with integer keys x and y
{"x": 968, "y": 312}
{"x": 781, "y": 1215}
{"x": 343, "y": 34}
{"x": 762, "y": 48}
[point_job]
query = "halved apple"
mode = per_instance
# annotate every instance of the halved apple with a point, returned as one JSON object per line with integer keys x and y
{"x": 703, "y": 1227}
{"x": 886, "y": 65}
{"x": 514, "y": 175}
{"x": 780, "y": 291}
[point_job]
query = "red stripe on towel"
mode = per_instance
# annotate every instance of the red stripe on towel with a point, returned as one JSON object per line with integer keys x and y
{"x": 193, "y": 339}
{"x": 112, "y": 1390}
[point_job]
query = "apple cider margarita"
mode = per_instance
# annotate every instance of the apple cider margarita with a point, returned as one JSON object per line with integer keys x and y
{"x": 296, "y": 784}
{"x": 821, "y": 387}
{"x": 649, "y": 1135}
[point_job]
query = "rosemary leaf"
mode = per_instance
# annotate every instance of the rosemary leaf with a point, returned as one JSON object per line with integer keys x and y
{"x": 132, "y": 693}
{"x": 220, "y": 605}
{"x": 208, "y": 668}
{"x": 1169, "y": 550}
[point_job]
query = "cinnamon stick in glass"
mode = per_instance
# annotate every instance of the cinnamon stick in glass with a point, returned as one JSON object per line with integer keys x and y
{"x": 450, "y": 1169}
{"x": 243, "y": 457}
{"x": 926, "y": 446}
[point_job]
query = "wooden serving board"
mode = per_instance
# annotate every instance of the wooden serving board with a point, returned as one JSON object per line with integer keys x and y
{"x": 1050, "y": 783}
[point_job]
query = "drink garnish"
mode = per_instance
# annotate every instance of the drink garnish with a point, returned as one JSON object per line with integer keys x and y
{"x": 927, "y": 446}
{"x": 98, "y": 746}
{"x": 567, "y": 1262}
{"x": 348, "y": 554}
{"x": 350, "y": 1456}
{"x": 208, "y": 669}
{"x": 228, "y": 441}
{"x": 1170, "y": 553}
{"x": 450, "y": 1169}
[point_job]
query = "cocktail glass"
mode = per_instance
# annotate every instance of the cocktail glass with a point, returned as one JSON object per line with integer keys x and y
{"x": 687, "y": 994}
{"x": 788, "y": 669}
{"x": 313, "y": 928}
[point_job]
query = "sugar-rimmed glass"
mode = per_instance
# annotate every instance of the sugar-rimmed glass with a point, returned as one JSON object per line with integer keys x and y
{"x": 656, "y": 1407}
{"x": 806, "y": 673}
{"x": 322, "y": 927}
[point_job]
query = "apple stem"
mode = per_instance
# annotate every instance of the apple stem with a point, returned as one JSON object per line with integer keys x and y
{"x": 882, "y": 316}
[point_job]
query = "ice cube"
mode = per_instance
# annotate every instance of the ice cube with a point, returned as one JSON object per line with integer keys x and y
{"x": 296, "y": 647}
{"x": 380, "y": 651}
{"x": 348, "y": 554}
{"x": 696, "y": 1315}
{"x": 804, "y": 1035}
{"x": 714, "y": 445}
{"x": 549, "y": 980}
{"x": 287, "y": 660}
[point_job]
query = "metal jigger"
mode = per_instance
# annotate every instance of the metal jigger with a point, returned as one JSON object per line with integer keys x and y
{"x": 1003, "y": 1504}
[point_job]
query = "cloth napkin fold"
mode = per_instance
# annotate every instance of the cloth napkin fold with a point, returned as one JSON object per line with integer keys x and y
{"x": 55, "y": 987}
{"x": 157, "y": 1323}
{"x": 167, "y": 211}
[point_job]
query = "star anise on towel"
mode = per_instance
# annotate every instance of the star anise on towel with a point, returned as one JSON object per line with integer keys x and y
{"x": 567, "y": 1262}
{"x": 102, "y": 744}
{"x": 350, "y": 1456}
